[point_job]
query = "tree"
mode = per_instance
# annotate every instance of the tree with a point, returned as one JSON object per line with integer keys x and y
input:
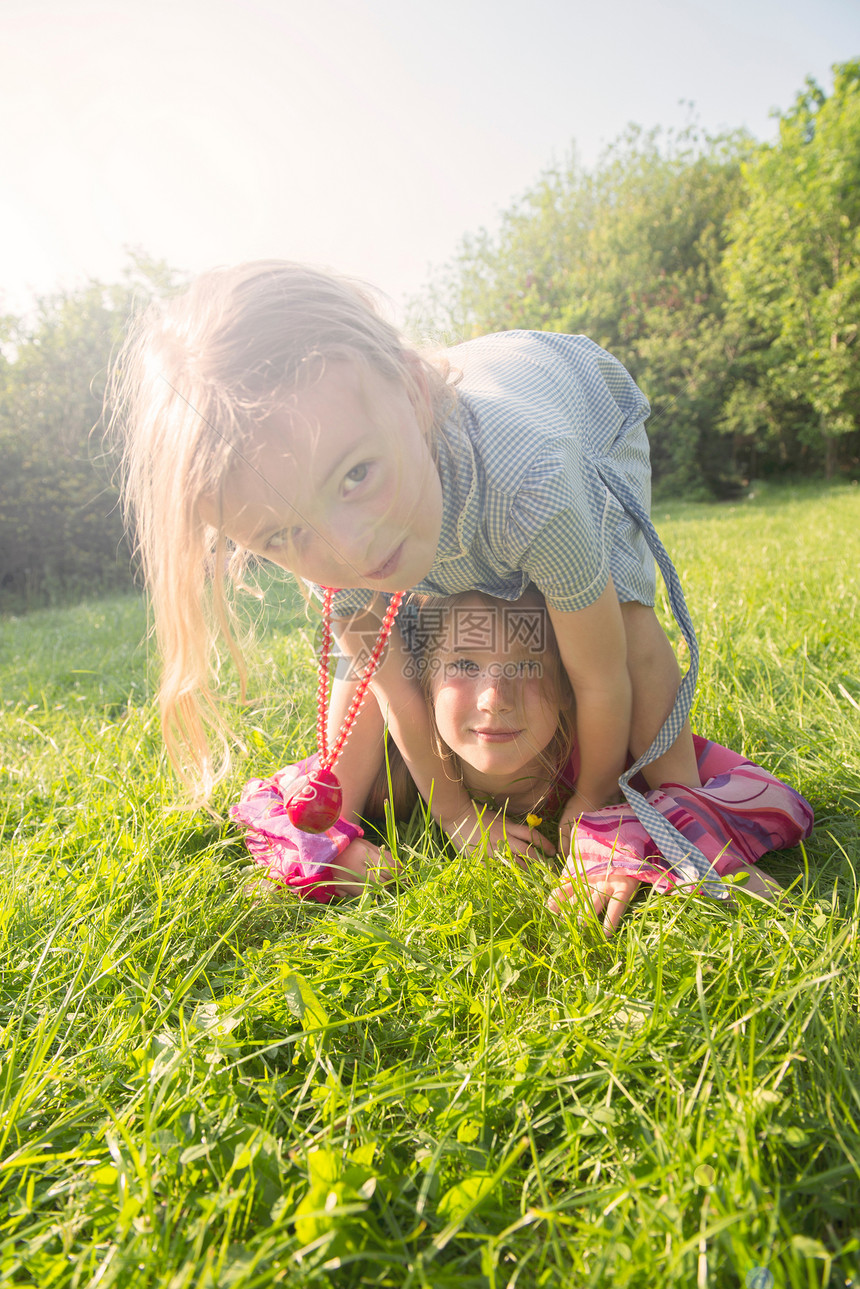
{"x": 653, "y": 292}
{"x": 525, "y": 275}
{"x": 60, "y": 527}
{"x": 793, "y": 271}
{"x": 630, "y": 255}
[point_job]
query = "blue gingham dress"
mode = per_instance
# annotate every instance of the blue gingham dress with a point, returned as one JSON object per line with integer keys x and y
{"x": 546, "y": 480}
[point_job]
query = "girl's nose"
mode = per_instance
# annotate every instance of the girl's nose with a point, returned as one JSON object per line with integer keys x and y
{"x": 495, "y": 694}
{"x": 344, "y": 546}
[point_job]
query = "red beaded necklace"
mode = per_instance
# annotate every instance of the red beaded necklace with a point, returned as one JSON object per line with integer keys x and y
{"x": 316, "y": 802}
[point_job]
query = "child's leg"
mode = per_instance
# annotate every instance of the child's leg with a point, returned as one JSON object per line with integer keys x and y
{"x": 362, "y": 756}
{"x": 654, "y": 677}
{"x": 760, "y": 883}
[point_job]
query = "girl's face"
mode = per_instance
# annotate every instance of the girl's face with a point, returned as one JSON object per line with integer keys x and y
{"x": 493, "y": 693}
{"x": 341, "y": 488}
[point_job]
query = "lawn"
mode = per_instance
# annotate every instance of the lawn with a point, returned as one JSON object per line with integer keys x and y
{"x": 206, "y": 1084}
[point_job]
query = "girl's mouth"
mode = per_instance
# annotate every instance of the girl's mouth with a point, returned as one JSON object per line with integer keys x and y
{"x": 388, "y": 568}
{"x": 497, "y": 736}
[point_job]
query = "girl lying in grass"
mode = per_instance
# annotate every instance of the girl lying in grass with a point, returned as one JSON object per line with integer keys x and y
{"x": 503, "y": 721}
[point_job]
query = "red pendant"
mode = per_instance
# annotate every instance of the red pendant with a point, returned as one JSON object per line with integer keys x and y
{"x": 315, "y": 803}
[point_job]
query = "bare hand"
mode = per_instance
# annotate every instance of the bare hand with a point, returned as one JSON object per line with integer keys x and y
{"x": 362, "y": 864}
{"x": 526, "y": 843}
{"x": 607, "y": 895}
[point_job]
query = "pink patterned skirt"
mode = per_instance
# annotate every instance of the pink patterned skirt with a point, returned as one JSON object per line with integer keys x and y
{"x": 739, "y": 814}
{"x": 303, "y": 861}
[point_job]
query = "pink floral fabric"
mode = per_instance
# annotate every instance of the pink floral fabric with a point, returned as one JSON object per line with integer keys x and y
{"x": 300, "y": 860}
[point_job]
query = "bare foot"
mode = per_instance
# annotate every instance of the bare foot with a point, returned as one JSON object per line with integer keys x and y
{"x": 758, "y": 883}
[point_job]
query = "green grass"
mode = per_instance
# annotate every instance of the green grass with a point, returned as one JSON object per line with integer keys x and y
{"x": 206, "y": 1085}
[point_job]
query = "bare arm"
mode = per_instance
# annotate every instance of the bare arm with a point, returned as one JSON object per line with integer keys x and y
{"x": 400, "y": 700}
{"x": 361, "y": 757}
{"x": 593, "y": 650}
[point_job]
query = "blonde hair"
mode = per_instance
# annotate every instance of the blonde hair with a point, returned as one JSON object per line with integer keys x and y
{"x": 434, "y": 614}
{"x": 189, "y": 389}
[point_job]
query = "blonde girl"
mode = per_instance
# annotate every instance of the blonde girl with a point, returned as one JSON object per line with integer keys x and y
{"x": 270, "y": 410}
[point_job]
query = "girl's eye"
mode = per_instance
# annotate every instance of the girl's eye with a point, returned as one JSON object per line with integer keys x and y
{"x": 466, "y": 667}
{"x": 278, "y": 539}
{"x": 355, "y": 476}
{"x": 283, "y": 537}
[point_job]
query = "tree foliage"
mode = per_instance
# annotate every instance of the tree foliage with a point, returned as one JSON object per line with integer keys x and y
{"x": 724, "y": 275}
{"x": 793, "y": 267}
{"x": 630, "y": 255}
{"x": 60, "y": 527}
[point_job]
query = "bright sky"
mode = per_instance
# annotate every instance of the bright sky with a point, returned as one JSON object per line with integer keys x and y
{"x": 366, "y": 135}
